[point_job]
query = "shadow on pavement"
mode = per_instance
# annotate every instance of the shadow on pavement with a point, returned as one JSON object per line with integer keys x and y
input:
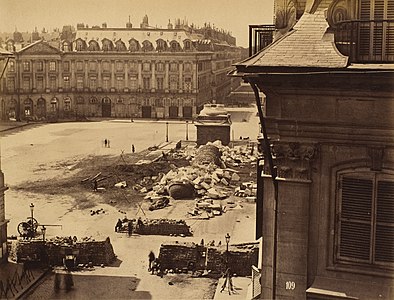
{"x": 87, "y": 286}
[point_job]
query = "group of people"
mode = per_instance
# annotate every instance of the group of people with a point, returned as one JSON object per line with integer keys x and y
{"x": 130, "y": 225}
{"x": 107, "y": 143}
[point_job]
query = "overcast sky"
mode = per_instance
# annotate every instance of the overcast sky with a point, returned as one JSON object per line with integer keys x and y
{"x": 231, "y": 15}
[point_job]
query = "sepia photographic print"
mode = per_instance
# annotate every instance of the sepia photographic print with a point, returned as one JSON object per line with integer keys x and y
{"x": 203, "y": 149}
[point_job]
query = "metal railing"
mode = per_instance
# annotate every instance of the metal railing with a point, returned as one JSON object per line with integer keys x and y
{"x": 256, "y": 282}
{"x": 260, "y": 36}
{"x": 369, "y": 41}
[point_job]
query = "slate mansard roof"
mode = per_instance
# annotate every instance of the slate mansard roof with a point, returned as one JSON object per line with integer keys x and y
{"x": 307, "y": 45}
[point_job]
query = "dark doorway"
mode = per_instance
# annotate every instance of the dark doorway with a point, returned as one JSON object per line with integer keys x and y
{"x": 41, "y": 108}
{"x": 146, "y": 111}
{"x": 28, "y": 108}
{"x": 106, "y": 107}
{"x": 173, "y": 112}
{"x": 187, "y": 111}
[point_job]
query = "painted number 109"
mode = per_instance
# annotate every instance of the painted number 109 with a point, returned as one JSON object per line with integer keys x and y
{"x": 290, "y": 285}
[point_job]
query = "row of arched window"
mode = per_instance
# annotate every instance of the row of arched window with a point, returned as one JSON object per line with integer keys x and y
{"x": 133, "y": 45}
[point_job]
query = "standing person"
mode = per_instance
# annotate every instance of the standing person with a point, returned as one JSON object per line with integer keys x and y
{"x": 132, "y": 148}
{"x": 105, "y": 143}
{"x": 129, "y": 228}
{"x": 109, "y": 145}
{"x": 118, "y": 225}
{"x": 151, "y": 260}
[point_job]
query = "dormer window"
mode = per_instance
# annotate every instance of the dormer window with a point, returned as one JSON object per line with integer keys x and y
{"x": 188, "y": 45}
{"x": 80, "y": 45}
{"x": 93, "y": 46}
{"x": 134, "y": 45}
{"x": 107, "y": 45}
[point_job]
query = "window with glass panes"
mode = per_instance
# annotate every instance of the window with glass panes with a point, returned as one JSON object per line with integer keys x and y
{"x": 40, "y": 83}
{"x": 119, "y": 82}
{"x": 79, "y": 65}
{"x": 146, "y": 83}
{"x": 66, "y": 82}
{"x": 11, "y": 84}
{"x": 52, "y": 66}
{"x": 173, "y": 83}
{"x": 106, "y": 82}
{"x": 66, "y": 66}
{"x": 52, "y": 83}
{"x": 188, "y": 84}
{"x": 26, "y": 83}
{"x": 133, "y": 83}
{"x": 40, "y": 66}
{"x": 79, "y": 82}
{"x": 26, "y": 66}
{"x": 160, "y": 83}
{"x": 93, "y": 82}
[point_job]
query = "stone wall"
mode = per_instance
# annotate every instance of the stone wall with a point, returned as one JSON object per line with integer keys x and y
{"x": 52, "y": 253}
{"x": 240, "y": 257}
{"x": 211, "y": 133}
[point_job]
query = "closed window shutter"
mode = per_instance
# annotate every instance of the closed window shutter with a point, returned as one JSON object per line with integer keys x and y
{"x": 355, "y": 218}
{"x": 384, "y": 243}
{"x": 390, "y": 29}
{"x": 365, "y": 32}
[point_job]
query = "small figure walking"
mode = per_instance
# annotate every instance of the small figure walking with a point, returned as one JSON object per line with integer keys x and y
{"x": 151, "y": 260}
{"x": 132, "y": 148}
{"x": 108, "y": 144}
{"x": 105, "y": 143}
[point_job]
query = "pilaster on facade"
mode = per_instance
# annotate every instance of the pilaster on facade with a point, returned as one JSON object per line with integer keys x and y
{"x": 293, "y": 160}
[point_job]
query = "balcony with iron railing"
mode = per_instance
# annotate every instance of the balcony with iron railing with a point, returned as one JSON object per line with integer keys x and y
{"x": 260, "y": 36}
{"x": 366, "y": 41}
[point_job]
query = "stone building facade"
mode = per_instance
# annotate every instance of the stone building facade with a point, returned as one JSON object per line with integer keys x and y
{"x": 328, "y": 198}
{"x": 120, "y": 72}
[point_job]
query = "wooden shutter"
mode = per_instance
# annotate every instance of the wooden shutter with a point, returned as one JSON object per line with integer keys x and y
{"x": 390, "y": 30}
{"x": 365, "y": 32}
{"x": 355, "y": 218}
{"x": 384, "y": 236}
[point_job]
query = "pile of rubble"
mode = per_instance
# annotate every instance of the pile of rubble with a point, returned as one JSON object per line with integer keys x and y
{"x": 208, "y": 176}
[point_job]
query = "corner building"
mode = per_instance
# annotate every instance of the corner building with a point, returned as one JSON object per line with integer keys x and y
{"x": 122, "y": 73}
{"x": 328, "y": 200}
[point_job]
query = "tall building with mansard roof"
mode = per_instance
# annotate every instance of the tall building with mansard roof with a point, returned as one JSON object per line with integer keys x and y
{"x": 128, "y": 72}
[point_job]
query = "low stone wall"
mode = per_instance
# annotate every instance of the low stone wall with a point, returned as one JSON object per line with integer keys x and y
{"x": 177, "y": 255}
{"x": 52, "y": 253}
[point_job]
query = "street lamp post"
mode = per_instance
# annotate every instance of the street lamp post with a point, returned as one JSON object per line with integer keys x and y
{"x": 166, "y": 131}
{"x": 32, "y": 217}
{"x": 227, "y": 280}
{"x": 187, "y": 130}
{"x": 227, "y": 237}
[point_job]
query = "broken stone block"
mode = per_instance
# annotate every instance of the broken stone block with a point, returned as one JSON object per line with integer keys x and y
{"x": 235, "y": 177}
{"x": 197, "y": 180}
{"x": 227, "y": 175}
{"x": 121, "y": 184}
{"x": 213, "y": 193}
{"x": 205, "y": 185}
{"x": 224, "y": 181}
{"x": 215, "y": 177}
